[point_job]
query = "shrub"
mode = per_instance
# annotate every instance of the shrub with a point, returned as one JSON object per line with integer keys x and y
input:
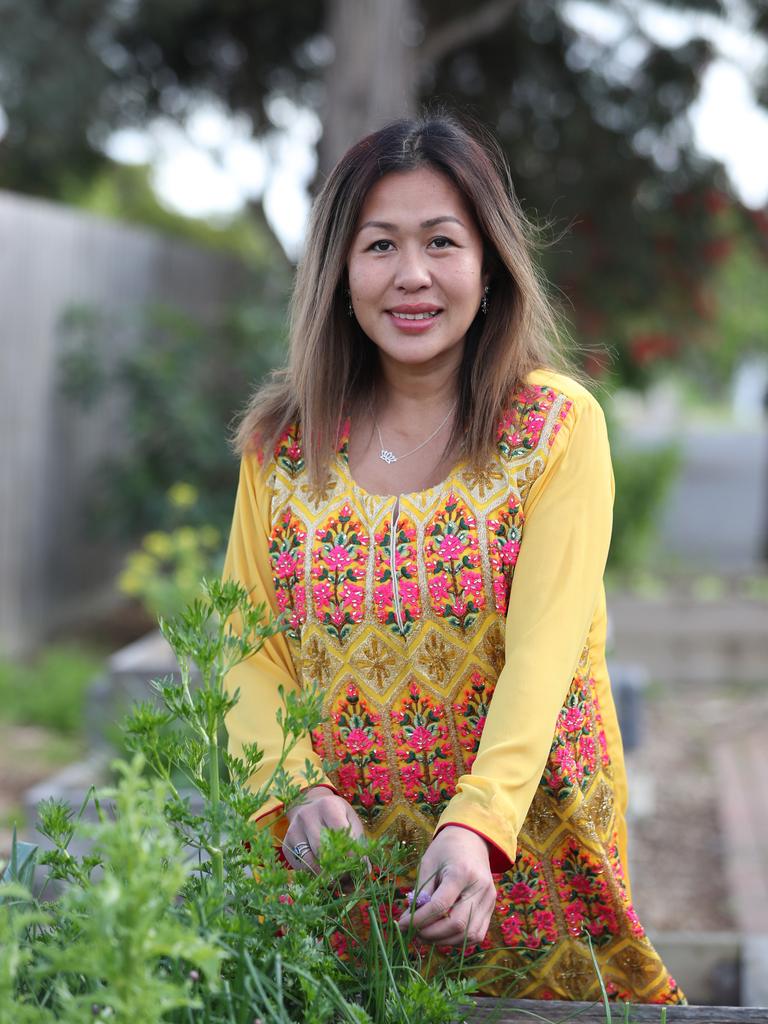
{"x": 51, "y": 690}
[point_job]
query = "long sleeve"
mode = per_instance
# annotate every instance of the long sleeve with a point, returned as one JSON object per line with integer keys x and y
{"x": 253, "y": 719}
{"x": 553, "y": 598}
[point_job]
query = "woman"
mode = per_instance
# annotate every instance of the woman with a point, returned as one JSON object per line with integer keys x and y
{"x": 428, "y": 502}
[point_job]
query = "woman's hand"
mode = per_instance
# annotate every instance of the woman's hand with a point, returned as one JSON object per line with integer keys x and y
{"x": 455, "y": 874}
{"x": 320, "y": 808}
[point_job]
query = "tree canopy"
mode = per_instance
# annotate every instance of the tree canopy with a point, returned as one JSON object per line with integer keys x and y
{"x": 594, "y": 127}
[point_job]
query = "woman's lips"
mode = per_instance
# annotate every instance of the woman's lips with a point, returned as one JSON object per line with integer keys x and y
{"x": 413, "y": 323}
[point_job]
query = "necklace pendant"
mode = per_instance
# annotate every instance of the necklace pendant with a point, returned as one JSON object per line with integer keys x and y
{"x": 387, "y": 456}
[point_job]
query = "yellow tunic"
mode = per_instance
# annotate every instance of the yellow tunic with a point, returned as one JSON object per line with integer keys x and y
{"x": 458, "y": 634}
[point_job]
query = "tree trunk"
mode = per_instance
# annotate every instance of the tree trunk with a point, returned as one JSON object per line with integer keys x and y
{"x": 372, "y": 78}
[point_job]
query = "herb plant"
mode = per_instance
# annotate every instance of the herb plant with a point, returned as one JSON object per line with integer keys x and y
{"x": 179, "y": 910}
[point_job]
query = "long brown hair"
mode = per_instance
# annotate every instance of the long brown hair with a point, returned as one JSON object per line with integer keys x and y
{"x": 332, "y": 364}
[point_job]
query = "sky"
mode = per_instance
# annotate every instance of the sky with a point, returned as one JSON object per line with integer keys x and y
{"x": 214, "y": 166}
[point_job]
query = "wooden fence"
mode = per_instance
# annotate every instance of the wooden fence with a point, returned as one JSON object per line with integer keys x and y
{"x": 51, "y": 259}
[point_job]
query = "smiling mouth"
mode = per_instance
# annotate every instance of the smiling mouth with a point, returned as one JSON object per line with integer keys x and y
{"x": 415, "y": 316}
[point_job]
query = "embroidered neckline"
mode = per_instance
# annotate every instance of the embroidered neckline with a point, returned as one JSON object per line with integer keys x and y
{"x": 342, "y": 459}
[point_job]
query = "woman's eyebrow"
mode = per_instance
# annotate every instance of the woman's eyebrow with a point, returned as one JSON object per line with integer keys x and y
{"x": 387, "y": 226}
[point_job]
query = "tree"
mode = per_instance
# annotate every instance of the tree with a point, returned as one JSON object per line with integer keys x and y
{"x": 598, "y": 147}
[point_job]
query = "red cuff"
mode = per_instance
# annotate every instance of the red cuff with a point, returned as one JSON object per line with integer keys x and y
{"x": 498, "y": 861}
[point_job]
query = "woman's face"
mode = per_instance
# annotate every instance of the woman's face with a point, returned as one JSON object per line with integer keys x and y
{"x": 416, "y": 268}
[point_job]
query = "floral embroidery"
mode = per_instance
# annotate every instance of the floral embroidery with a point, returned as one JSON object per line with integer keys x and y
{"x": 584, "y": 893}
{"x": 288, "y": 453}
{"x": 505, "y": 531}
{"x": 520, "y": 430}
{"x": 407, "y": 580}
{"x": 524, "y": 909}
{"x": 471, "y": 712}
{"x": 363, "y": 776}
{"x": 286, "y": 551}
{"x": 428, "y": 772}
{"x": 339, "y": 557}
{"x": 573, "y": 756}
{"x": 454, "y": 579}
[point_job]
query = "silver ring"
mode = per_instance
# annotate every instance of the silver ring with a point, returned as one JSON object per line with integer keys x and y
{"x": 300, "y": 849}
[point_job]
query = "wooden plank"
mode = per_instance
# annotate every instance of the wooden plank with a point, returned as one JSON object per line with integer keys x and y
{"x": 740, "y": 778}
{"x": 529, "y": 1011}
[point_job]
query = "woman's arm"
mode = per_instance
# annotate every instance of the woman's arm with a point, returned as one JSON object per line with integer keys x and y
{"x": 554, "y": 593}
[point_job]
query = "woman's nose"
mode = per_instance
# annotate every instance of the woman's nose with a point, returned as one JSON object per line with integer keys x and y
{"x": 412, "y": 271}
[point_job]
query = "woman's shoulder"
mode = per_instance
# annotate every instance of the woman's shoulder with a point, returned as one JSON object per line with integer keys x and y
{"x": 554, "y": 384}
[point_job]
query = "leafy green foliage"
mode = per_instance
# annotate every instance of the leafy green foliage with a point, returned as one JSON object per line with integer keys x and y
{"x": 165, "y": 572}
{"x": 594, "y": 128}
{"x": 179, "y": 383}
{"x": 50, "y": 691}
{"x": 182, "y": 913}
{"x": 643, "y": 479}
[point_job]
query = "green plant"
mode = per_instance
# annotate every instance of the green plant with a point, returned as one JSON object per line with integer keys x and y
{"x": 49, "y": 691}
{"x": 177, "y": 382}
{"x": 643, "y": 479}
{"x": 182, "y": 913}
{"x": 165, "y": 572}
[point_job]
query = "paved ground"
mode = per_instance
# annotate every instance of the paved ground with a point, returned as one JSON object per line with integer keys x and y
{"x": 677, "y": 851}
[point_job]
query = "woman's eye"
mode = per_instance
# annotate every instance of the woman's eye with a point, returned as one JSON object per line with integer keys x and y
{"x": 441, "y": 242}
{"x": 381, "y": 242}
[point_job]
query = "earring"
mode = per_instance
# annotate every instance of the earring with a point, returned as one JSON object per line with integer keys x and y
{"x": 350, "y": 310}
{"x": 484, "y": 300}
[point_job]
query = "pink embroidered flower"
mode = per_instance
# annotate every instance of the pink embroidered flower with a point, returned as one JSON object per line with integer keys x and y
{"x": 439, "y": 587}
{"x": 572, "y": 719}
{"x": 472, "y": 583}
{"x": 411, "y": 774}
{"x": 408, "y": 590}
{"x": 358, "y": 741}
{"x": 322, "y": 593}
{"x": 285, "y": 566}
{"x": 445, "y": 772}
{"x": 451, "y": 547}
{"x": 347, "y": 773}
{"x": 421, "y": 739}
{"x": 509, "y": 552}
{"x": 337, "y": 558}
{"x": 544, "y": 920}
{"x": 520, "y": 893}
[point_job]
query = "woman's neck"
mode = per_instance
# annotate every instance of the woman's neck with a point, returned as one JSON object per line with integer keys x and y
{"x": 403, "y": 393}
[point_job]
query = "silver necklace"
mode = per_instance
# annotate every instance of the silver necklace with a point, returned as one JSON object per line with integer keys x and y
{"x": 388, "y": 456}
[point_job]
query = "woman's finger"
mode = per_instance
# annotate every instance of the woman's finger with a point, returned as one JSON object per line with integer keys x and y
{"x": 299, "y": 853}
{"x": 466, "y": 924}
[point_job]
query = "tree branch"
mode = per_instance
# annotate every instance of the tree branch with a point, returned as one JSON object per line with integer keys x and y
{"x": 464, "y": 29}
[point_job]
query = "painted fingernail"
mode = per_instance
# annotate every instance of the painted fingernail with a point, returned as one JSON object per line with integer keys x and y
{"x": 417, "y": 900}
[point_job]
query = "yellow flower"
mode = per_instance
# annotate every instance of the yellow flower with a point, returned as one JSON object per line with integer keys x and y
{"x": 182, "y": 495}
{"x": 129, "y": 583}
{"x": 209, "y": 536}
{"x": 158, "y": 544}
{"x": 185, "y": 538}
{"x": 142, "y": 563}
